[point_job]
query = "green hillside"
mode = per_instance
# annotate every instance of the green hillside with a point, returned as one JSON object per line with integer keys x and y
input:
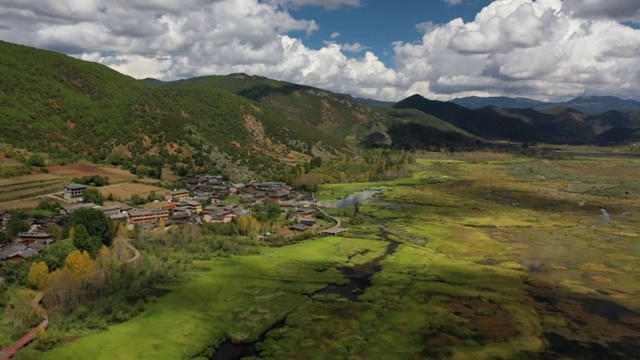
{"x": 336, "y": 114}
{"x": 71, "y": 109}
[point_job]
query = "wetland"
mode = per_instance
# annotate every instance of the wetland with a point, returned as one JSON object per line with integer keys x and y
{"x": 495, "y": 258}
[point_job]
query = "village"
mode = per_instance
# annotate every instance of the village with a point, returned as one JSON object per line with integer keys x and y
{"x": 203, "y": 200}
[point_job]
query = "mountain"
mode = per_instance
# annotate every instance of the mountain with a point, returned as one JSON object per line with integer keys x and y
{"x": 372, "y": 101}
{"x": 596, "y": 104}
{"x": 476, "y": 102}
{"x": 586, "y": 104}
{"x": 339, "y": 115}
{"x": 486, "y": 122}
{"x": 335, "y": 114}
{"x": 618, "y": 135}
{"x": 555, "y": 125}
{"x": 70, "y": 109}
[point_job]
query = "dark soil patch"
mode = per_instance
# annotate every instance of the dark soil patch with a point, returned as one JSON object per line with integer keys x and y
{"x": 591, "y": 328}
{"x": 490, "y": 322}
{"x": 481, "y": 323}
{"x": 561, "y": 347}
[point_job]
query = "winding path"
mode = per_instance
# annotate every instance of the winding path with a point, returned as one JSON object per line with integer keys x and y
{"x": 11, "y": 351}
{"x": 336, "y": 230}
{"x": 136, "y": 253}
{"x": 337, "y": 220}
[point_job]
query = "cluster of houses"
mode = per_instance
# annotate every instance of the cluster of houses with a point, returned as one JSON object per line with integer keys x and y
{"x": 201, "y": 201}
{"x": 27, "y": 244}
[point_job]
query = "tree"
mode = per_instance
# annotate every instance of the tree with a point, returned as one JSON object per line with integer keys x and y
{"x": 269, "y": 211}
{"x": 4, "y": 238}
{"x": 36, "y": 160}
{"x": 17, "y": 224}
{"x": 93, "y": 195}
{"x": 247, "y": 225}
{"x": 96, "y": 224}
{"x": 82, "y": 240}
{"x": 57, "y": 253}
{"x": 79, "y": 264}
{"x": 15, "y": 272}
{"x": 316, "y": 162}
{"x": 38, "y": 274}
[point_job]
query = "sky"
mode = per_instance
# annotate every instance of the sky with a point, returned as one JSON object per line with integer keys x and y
{"x": 548, "y": 50}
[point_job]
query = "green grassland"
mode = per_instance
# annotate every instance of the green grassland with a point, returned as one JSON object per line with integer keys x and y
{"x": 238, "y": 297}
{"x": 481, "y": 242}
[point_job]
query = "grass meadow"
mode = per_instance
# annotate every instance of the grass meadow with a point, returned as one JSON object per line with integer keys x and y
{"x": 237, "y": 297}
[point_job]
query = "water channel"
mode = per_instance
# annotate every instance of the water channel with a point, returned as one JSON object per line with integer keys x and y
{"x": 366, "y": 197}
{"x": 359, "y": 277}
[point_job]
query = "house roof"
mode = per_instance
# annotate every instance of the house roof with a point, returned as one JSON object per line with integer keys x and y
{"x": 28, "y": 253}
{"x": 178, "y": 192}
{"x": 12, "y": 250}
{"x": 75, "y": 187}
{"x": 34, "y": 234}
{"x": 180, "y": 216}
{"x": 37, "y": 246}
{"x": 278, "y": 194}
{"x": 298, "y": 227}
{"x": 147, "y": 212}
{"x": 73, "y": 208}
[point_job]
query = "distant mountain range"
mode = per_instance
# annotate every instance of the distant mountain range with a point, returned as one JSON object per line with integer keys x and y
{"x": 584, "y": 104}
{"x": 557, "y": 125}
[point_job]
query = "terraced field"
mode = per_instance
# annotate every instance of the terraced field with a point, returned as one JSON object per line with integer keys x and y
{"x": 21, "y": 191}
{"x": 31, "y": 188}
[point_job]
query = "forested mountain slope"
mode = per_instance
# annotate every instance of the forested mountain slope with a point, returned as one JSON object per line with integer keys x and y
{"x": 70, "y": 109}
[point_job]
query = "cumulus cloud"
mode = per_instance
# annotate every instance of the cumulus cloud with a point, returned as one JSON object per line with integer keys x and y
{"x": 536, "y": 49}
{"x": 616, "y": 9}
{"x": 354, "y": 47}
{"x": 327, "y": 4}
{"x": 547, "y": 49}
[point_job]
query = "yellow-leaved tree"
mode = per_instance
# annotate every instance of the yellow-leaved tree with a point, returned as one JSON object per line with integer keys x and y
{"x": 38, "y": 274}
{"x": 247, "y": 225}
{"x": 80, "y": 264}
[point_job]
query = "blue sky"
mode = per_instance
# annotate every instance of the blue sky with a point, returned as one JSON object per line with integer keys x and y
{"x": 378, "y": 23}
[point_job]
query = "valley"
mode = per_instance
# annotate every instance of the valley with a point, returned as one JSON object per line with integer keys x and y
{"x": 501, "y": 229}
{"x": 497, "y": 257}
